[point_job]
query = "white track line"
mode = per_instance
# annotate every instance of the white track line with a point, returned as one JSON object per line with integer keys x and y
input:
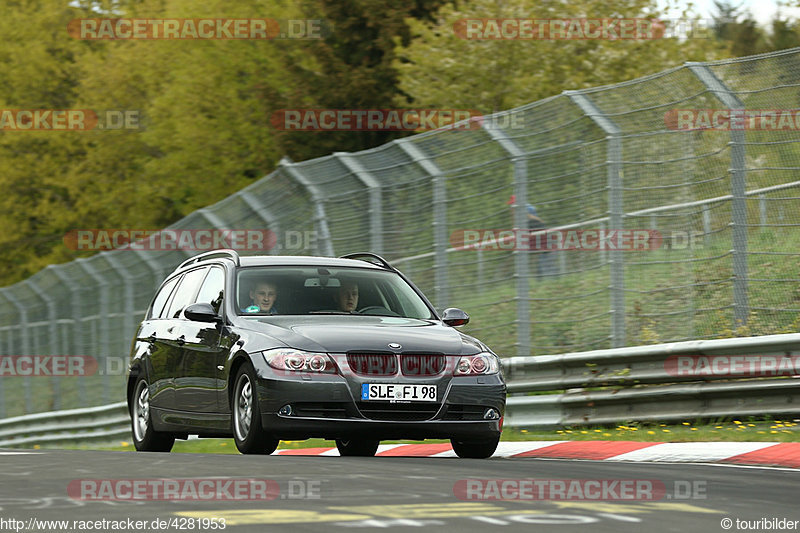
{"x": 691, "y": 452}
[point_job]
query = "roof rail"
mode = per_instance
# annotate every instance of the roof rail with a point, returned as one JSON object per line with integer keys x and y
{"x": 231, "y": 254}
{"x": 369, "y": 257}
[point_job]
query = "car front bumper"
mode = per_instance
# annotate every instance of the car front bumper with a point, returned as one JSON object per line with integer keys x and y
{"x": 299, "y": 428}
{"x": 324, "y": 406}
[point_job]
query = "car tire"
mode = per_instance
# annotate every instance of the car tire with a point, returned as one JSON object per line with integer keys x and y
{"x": 357, "y": 447}
{"x": 248, "y": 431}
{"x": 475, "y": 449}
{"x": 145, "y": 438}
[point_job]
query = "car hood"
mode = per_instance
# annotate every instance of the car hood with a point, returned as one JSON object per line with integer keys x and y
{"x": 341, "y": 334}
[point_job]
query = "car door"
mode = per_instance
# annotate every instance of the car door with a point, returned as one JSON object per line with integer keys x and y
{"x": 161, "y": 365}
{"x": 176, "y": 331}
{"x": 203, "y": 351}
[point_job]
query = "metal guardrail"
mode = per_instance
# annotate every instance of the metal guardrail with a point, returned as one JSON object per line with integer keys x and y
{"x": 596, "y": 387}
{"x": 105, "y": 423}
{"x": 634, "y": 383}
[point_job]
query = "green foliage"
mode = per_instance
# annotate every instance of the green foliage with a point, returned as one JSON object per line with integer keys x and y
{"x": 440, "y": 69}
{"x": 205, "y": 106}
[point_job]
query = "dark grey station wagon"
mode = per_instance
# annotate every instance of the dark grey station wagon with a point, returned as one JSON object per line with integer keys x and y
{"x": 270, "y": 348}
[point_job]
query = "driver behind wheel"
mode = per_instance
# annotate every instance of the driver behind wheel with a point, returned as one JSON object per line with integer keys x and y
{"x": 347, "y": 297}
{"x": 263, "y": 298}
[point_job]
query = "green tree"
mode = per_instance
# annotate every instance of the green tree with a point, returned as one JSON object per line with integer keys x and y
{"x": 783, "y": 34}
{"x": 439, "y": 69}
{"x": 38, "y": 70}
{"x": 738, "y": 31}
{"x": 353, "y": 67}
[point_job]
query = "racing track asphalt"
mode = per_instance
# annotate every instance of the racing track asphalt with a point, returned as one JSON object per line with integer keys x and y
{"x": 394, "y": 493}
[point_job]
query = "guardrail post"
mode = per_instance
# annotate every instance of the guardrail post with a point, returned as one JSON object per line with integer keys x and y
{"x": 615, "y": 210}
{"x": 741, "y": 305}
{"x": 521, "y": 264}
{"x": 375, "y": 200}
{"x": 26, "y": 344}
{"x": 440, "y": 240}
{"x": 318, "y": 198}
{"x": 52, "y": 332}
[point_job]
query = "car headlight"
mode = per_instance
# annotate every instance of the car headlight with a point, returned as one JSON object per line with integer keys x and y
{"x": 292, "y": 360}
{"x": 477, "y": 365}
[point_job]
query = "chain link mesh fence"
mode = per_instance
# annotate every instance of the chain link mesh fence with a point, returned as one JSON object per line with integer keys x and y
{"x": 608, "y": 158}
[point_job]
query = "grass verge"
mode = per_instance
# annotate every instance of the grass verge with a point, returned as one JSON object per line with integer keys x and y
{"x": 760, "y": 430}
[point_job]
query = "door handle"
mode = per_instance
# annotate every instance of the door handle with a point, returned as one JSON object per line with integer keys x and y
{"x": 181, "y": 340}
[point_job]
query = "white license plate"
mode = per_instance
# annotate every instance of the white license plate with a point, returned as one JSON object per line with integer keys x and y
{"x": 408, "y": 393}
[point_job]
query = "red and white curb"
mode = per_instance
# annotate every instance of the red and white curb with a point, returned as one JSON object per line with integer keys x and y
{"x": 786, "y": 454}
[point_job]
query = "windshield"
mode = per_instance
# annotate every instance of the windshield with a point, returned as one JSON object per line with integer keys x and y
{"x": 285, "y": 290}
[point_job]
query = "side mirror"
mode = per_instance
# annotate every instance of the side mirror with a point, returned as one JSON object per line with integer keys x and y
{"x": 201, "y": 312}
{"x": 453, "y": 316}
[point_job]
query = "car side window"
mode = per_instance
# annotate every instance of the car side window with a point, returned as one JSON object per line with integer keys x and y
{"x": 213, "y": 288}
{"x": 184, "y": 294}
{"x": 161, "y": 299}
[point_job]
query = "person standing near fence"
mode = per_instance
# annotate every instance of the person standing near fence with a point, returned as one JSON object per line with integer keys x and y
{"x": 543, "y": 258}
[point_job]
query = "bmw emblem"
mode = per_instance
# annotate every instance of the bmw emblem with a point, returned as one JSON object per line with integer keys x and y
{"x": 394, "y": 346}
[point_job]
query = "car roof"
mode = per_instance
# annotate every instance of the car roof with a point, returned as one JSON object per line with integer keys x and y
{"x": 284, "y": 260}
{"x": 304, "y": 260}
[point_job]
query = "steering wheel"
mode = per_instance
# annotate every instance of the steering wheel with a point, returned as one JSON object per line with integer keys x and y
{"x": 382, "y": 311}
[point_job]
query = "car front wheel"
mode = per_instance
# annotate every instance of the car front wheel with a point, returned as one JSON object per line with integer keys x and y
{"x": 248, "y": 432}
{"x": 475, "y": 449}
{"x": 145, "y": 438}
{"x": 357, "y": 447}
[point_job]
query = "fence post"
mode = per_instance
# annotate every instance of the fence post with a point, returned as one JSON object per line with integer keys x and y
{"x": 741, "y": 305}
{"x": 153, "y": 265}
{"x": 26, "y": 344}
{"x": 131, "y": 321}
{"x": 440, "y": 241}
{"x": 102, "y": 347}
{"x": 615, "y": 210}
{"x": 77, "y": 327}
{"x": 2, "y": 391}
{"x": 521, "y": 266}
{"x": 318, "y": 198}
{"x": 263, "y": 213}
{"x": 52, "y": 332}
{"x": 375, "y": 199}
